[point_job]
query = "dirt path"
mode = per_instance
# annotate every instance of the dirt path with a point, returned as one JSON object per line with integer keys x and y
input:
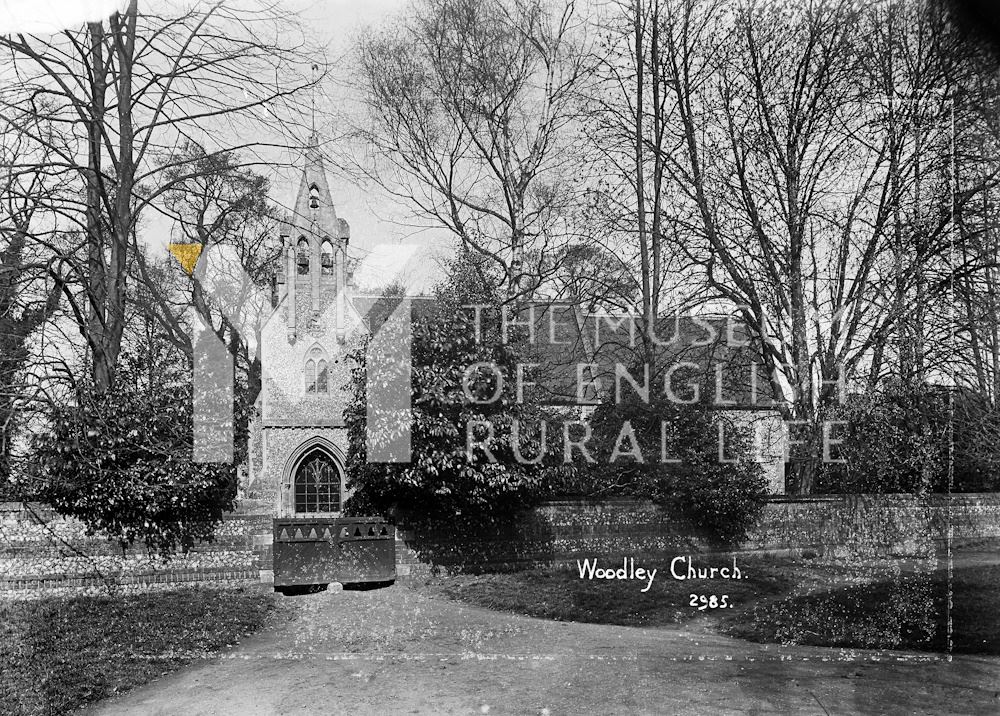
{"x": 397, "y": 650}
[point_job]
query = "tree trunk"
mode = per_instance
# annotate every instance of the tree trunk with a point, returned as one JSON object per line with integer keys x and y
{"x": 96, "y": 287}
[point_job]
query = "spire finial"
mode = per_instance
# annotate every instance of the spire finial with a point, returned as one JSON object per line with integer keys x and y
{"x": 315, "y": 69}
{"x": 312, "y": 148}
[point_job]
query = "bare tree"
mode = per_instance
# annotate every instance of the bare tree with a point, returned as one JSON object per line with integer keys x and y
{"x": 217, "y": 201}
{"x": 467, "y": 102}
{"x": 27, "y": 299}
{"x": 789, "y": 172}
{"x": 963, "y": 326}
{"x": 627, "y": 136}
{"x": 127, "y": 92}
{"x": 590, "y": 276}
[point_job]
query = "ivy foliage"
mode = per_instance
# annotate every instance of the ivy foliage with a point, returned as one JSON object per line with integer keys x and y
{"x": 892, "y": 440}
{"x": 121, "y": 462}
{"x": 678, "y": 462}
{"x": 444, "y": 477}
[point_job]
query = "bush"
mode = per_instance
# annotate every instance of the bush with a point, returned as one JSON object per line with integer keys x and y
{"x": 443, "y": 479}
{"x": 895, "y": 440}
{"x": 121, "y": 462}
{"x": 901, "y": 439}
{"x": 723, "y": 497}
{"x": 976, "y": 435}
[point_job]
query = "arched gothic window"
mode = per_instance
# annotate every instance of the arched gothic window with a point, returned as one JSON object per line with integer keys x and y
{"x": 313, "y": 196}
{"x": 326, "y": 257}
{"x": 317, "y": 483}
{"x": 310, "y": 376}
{"x": 322, "y": 378}
{"x": 317, "y": 372}
{"x": 302, "y": 256}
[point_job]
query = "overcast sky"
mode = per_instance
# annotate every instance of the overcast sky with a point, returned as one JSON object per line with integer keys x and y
{"x": 377, "y": 222}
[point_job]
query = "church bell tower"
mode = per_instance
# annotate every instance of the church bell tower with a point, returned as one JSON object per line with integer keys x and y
{"x": 312, "y": 272}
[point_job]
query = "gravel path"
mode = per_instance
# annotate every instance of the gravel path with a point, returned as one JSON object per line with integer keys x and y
{"x": 398, "y": 650}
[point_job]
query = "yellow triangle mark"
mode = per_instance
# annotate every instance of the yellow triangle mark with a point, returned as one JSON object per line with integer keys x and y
{"x": 186, "y": 254}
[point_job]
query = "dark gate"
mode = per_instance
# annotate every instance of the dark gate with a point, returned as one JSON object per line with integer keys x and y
{"x": 321, "y": 550}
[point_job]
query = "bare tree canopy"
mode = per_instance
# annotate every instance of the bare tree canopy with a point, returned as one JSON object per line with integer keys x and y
{"x": 799, "y": 160}
{"x": 467, "y": 104}
{"x": 120, "y": 99}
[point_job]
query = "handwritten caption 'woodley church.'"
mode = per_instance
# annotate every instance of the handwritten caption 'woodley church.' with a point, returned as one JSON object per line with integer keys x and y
{"x": 682, "y": 568}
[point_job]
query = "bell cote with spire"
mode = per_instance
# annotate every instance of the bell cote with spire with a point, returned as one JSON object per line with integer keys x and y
{"x": 311, "y": 278}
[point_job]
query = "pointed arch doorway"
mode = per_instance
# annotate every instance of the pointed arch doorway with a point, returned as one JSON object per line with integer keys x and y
{"x": 312, "y": 542}
{"x": 316, "y": 484}
{"x": 315, "y": 480}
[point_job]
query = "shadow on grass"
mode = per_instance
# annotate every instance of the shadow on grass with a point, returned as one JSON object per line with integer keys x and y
{"x": 908, "y": 612}
{"x": 561, "y": 594}
{"x": 781, "y": 601}
{"x": 58, "y": 654}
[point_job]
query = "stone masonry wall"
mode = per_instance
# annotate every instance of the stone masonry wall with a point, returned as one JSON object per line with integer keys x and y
{"x": 857, "y": 526}
{"x": 40, "y": 550}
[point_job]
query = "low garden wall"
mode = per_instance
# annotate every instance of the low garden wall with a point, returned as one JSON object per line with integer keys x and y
{"x": 41, "y": 550}
{"x": 840, "y": 527}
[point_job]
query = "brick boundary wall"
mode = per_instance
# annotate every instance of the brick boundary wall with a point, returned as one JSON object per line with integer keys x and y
{"x": 49, "y": 552}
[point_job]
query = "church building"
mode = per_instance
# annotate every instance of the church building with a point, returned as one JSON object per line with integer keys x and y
{"x": 302, "y": 439}
{"x": 300, "y": 445}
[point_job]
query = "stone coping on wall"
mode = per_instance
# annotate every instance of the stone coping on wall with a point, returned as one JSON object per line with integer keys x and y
{"x": 936, "y": 497}
{"x": 75, "y": 580}
{"x": 262, "y": 508}
{"x": 246, "y": 508}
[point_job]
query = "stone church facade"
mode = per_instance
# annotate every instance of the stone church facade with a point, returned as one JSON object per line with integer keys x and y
{"x": 302, "y": 439}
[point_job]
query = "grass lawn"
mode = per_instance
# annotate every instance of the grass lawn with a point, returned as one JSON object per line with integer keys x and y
{"x": 781, "y": 601}
{"x": 58, "y": 654}
{"x": 561, "y": 595}
{"x": 905, "y": 613}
